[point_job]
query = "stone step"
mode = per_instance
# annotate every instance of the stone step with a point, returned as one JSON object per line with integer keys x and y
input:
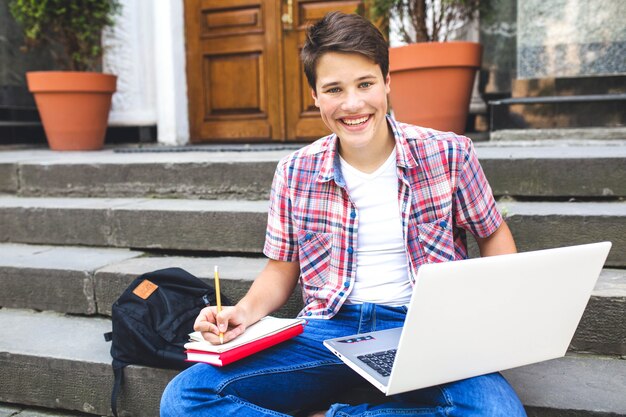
{"x": 574, "y": 386}
{"x": 67, "y": 366}
{"x": 602, "y": 328}
{"x": 512, "y": 169}
{"x": 87, "y": 281}
{"x": 548, "y": 171}
{"x": 201, "y": 225}
{"x": 238, "y": 226}
{"x": 8, "y": 410}
{"x": 542, "y": 225}
{"x": 563, "y": 135}
{"x": 54, "y": 278}
{"x": 236, "y": 276}
{"x": 63, "y": 362}
{"x": 214, "y": 175}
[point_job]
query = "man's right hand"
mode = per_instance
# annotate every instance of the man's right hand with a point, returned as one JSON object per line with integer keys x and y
{"x": 230, "y": 321}
{"x": 269, "y": 291}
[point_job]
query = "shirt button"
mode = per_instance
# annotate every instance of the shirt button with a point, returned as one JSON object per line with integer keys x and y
{"x": 353, "y": 214}
{"x": 308, "y": 236}
{"x": 443, "y": 224}
{"x": 346, "y": 284}
{"x": 350, "y": 250}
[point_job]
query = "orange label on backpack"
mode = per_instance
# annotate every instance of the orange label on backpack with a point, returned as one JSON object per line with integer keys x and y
{"x": 145, "y": 289}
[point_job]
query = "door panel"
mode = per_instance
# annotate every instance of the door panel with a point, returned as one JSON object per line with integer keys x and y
{"x": 311, "y": 10}
{"x": 233, "y": 22}
{"x": 232, "y": 62}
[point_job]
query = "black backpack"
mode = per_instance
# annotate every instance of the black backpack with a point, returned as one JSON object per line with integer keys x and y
{"x": 152, "y": 319}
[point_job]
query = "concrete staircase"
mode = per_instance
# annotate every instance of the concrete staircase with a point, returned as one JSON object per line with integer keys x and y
{"x": 76, "y": 228}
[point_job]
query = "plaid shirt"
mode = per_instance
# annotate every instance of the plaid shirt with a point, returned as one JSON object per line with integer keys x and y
{"x": 442, "y": 192}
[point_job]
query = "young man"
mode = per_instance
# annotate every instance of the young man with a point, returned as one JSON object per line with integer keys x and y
{"x": 352, "y": 216}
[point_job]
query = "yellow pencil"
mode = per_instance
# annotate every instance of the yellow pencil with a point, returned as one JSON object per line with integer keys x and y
{"x": 219, "y": 299}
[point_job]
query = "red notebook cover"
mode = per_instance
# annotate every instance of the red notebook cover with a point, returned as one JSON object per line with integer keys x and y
{"x": 224, "y": 358}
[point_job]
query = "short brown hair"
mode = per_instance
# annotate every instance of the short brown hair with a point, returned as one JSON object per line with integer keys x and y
{"x": 340, "y": 32}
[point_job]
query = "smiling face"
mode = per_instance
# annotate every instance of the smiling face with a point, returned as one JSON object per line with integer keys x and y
{"x": 351, "y": 93}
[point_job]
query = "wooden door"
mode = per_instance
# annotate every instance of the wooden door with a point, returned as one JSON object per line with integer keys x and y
{"x": 302, "y": 117}
{"x": 232, "y": 63}
{"x": 244, "y": 76}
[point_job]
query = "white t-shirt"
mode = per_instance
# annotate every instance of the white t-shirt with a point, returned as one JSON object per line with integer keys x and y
{"x": 382, "y": 265}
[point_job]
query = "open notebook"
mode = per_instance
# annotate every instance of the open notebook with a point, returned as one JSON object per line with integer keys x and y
{"x": 265, "y": 333}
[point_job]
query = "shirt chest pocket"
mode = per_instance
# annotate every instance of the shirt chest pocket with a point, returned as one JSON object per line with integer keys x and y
{"x": 314, "y": 257}
{"x": 437, "y": 240}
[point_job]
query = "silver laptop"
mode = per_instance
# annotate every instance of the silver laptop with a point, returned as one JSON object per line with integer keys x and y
{"x": 472, "y": 317}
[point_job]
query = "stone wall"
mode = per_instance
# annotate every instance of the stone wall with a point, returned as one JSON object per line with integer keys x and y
{"x": 570, "y": 38}
{"x": 498, "y": 35}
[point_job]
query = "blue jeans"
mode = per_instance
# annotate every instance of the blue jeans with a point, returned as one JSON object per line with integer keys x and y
{"x": 301, "y": 374}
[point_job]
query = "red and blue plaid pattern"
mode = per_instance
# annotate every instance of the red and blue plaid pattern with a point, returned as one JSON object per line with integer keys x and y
{"x": 442, "y": 193}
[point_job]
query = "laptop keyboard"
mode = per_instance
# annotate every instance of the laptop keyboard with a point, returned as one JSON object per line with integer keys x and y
{"x": 381, "y": 362}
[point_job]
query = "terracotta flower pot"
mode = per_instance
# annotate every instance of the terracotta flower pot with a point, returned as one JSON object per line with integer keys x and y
{"x": 73, "y": 106}
{"x": 431, "y": 83}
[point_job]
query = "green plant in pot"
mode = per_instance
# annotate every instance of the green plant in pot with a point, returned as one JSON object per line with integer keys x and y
{"x": 432, "y": 78}
{"x": 74, "y": 103}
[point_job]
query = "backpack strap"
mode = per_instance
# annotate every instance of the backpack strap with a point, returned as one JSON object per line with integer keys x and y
{"x": 118, "y": 374}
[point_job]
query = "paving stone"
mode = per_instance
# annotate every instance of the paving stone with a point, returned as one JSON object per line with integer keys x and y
{"x": 8, "y": 178}
{"x": 53, "y": 278}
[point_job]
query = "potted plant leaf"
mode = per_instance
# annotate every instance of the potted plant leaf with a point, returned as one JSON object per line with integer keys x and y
{"x": 73, "y": 104}
{"x": 432, "y": 78}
